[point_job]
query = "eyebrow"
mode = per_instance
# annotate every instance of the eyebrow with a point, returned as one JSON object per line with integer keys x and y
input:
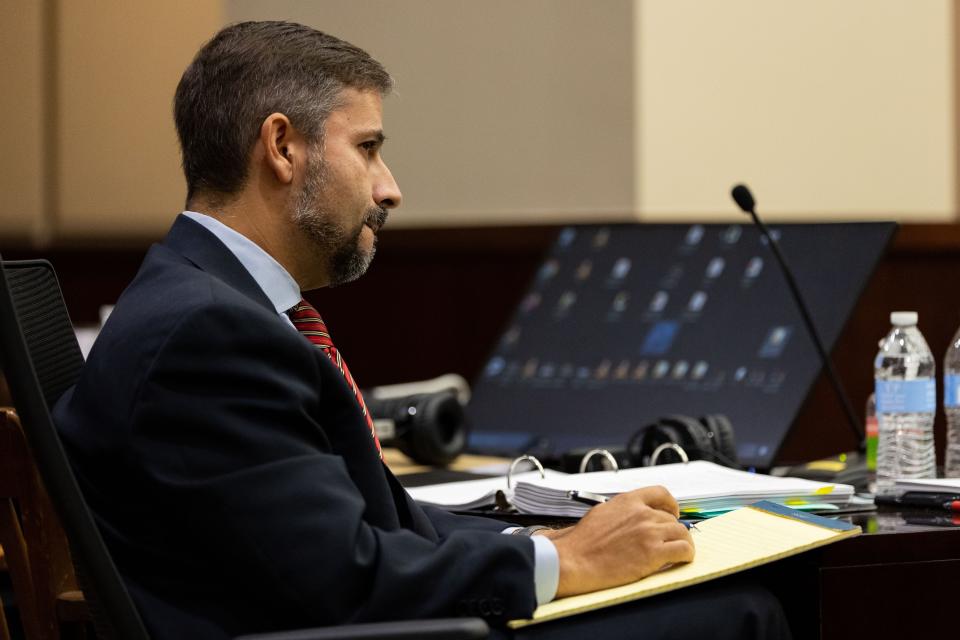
{"x": 374, "y": 133}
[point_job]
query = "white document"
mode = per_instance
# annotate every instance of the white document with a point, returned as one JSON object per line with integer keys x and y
{"x": 472, "y": 494}
{"x": 932, "y": 485}
{"x": 698, "y": 486}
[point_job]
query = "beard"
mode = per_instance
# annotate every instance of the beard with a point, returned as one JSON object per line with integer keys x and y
{"x": 346, "y": 259}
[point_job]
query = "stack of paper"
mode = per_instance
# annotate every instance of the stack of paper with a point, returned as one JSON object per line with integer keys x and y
{"x": 927, "y": 485}
{"x": 468, "y": 495}
{"x": 701, "y": 488}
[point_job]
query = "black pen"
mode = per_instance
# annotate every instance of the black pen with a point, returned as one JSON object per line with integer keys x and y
{"x": 921, "y": 499}
{"x": 586, "y": 497}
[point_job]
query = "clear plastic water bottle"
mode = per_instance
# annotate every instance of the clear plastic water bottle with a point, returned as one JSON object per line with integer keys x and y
{"x": 906, "y": 394}
{"x": 951, "y": 406}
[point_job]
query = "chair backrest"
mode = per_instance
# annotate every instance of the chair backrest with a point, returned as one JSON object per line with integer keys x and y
{"x": 41, "y": 358}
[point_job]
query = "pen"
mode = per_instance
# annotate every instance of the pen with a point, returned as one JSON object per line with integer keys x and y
{"x": 948, "y": 501}
{"x": 586, "y": 497}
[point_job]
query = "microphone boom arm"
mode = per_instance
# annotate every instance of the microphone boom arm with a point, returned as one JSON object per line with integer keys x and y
{"x": 805, "y": 314}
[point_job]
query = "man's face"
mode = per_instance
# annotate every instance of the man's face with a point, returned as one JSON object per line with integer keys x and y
{"x": 347, "y": 188}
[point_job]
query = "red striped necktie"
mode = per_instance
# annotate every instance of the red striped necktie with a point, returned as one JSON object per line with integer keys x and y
{"x": 308, "y": 322}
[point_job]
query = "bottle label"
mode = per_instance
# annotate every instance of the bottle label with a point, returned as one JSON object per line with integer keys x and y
{"x": 906, "y": 396}
{"x": 951, "y": 390}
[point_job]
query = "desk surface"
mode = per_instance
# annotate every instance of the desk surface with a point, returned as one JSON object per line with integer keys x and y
{"x": 898, "y": 580}
{"x": 401, "y": 465}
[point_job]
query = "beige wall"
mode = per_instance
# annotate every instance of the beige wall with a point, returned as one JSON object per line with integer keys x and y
{"x": 505, "y": 110}
{"x": 22, "y": 117}
{"x": 120, "y": 61}
{"x": 514, "y": 110}
{"x": 826, "y": 109}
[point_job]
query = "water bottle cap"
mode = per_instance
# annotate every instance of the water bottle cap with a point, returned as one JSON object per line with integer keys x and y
{"x": 903, "y": 318}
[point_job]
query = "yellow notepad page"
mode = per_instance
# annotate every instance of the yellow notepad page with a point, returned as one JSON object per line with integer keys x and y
{"x": 735, "y": 541}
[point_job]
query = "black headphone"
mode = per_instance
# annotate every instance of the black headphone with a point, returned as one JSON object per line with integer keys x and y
{"x": 709, "y": 438}
{"x": 429, "y": 427}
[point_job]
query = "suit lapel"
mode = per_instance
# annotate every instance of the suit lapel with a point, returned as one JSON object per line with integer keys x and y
{"x": 195, "y": 243}
{"x": 202, "y": 248}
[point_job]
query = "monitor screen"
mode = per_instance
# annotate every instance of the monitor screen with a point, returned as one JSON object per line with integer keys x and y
{"x": 625, "y": 323}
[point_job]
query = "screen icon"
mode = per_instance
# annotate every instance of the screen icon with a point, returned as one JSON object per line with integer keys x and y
{"x": 530, "y": 368}
{"x": 603, "y": 370}
{"x": 622, "y": 370}
{"x": 531, "y": 302}
{"x": 548, "y": 270}
{"x": 697, "y": 301}
{"x": 640, "y": 372}
{"x": 620, "y": 302}
{"x": 495, "y": 367}
{"x": 583, "y": 270}
{"x": 694, "y": 235}
{"x": 680, "y": 369}
{"x": 775, "y": 342}
{"x": 566, "y": 300}
{"x": 715, "y": 268}
{"x": 620, "y": 268}
{"x": 673, "y": 276}
{"x": 731, "y": 234}
{"x": 660, "y": 369}
{"x": 660, "y": 338}
{"x": 567, "y": 236}
{"x": 659, "y": 301}
{"x": 699, "y": 370}
{"x": 754, "y": 268}
{"x": 601, "y": 238}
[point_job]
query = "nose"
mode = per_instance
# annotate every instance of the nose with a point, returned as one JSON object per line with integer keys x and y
{"x": 386, "y": 192}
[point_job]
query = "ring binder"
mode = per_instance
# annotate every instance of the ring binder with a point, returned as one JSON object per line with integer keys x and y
{"x": 668, "y": 445}
{"x": 602, "y": 452}
{"x": 524, "y": 458}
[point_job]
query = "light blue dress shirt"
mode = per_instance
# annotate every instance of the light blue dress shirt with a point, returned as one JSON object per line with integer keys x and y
{"x": 282, "y": 290}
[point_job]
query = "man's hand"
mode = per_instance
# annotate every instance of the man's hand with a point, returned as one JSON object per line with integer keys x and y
{"x": 621, "y": 541}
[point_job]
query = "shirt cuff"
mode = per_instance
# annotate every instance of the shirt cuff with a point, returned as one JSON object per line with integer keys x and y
{"x": 546, "y": 566}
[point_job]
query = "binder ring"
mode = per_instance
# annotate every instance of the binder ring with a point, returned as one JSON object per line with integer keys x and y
{"x": 523, "y": 458}
{"x": 668, "y": 445}
{"x": 601, "y": 452}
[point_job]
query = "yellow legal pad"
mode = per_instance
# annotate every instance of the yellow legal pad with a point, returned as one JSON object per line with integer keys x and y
{"x": 738, "y": 540}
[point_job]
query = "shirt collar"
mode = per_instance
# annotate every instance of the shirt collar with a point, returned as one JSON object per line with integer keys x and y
{"x": 278, "y": 285}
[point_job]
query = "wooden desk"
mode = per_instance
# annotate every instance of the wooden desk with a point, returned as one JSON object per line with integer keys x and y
{"x": 401, "y": 465}
{"x": 901, "y": 579}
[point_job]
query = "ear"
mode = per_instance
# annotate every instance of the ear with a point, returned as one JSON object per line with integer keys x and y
{"x": 283, "y": 147}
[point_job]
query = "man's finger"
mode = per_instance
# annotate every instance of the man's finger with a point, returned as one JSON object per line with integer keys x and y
{"x": 658, "y": 497}
{"x": 678, "y": 551}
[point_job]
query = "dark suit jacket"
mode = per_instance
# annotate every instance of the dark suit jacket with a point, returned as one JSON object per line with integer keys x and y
{"x": 234, "y": 477}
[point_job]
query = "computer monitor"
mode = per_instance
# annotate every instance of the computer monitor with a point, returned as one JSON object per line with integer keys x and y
{"x": 625, "y": 323}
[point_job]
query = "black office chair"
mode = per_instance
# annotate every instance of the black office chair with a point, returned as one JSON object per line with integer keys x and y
{"x": 41, "y": 359}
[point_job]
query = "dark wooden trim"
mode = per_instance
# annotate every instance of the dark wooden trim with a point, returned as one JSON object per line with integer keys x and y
{"x": 926, "y": 239}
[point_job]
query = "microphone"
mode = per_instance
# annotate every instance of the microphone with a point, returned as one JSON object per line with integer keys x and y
{"x": 744, "y": 199}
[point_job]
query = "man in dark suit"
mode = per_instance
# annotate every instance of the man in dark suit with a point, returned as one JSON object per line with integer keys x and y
{"x": 217, "y": 432}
